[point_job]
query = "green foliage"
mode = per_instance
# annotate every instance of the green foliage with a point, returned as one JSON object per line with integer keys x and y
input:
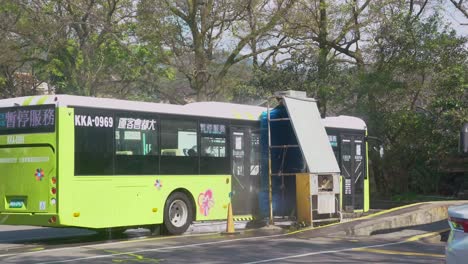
{"x": 79, "y": 47}
{"x": 400, "y": 68}
{"x": 416, "y": 99}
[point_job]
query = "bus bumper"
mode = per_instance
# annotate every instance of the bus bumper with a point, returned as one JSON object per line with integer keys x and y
{"x": 51, "y": 220}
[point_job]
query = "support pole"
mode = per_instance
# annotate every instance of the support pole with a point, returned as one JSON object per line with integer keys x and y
{"x": 270, "y": 190}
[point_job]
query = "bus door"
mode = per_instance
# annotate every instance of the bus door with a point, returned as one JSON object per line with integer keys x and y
{"x": 245, "y": 160}
{"x": 353, "y": 171}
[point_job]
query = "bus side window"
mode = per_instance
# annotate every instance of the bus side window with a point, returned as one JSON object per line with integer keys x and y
{"x": 179, "y": 147}
{"x": 136, "y": 148}
{"x": 213, "y": 157}
{"x": 177, "y": 136}
{"x": 136, "y": 136}
{"x": 213, "y": 147}
{"x": 93, "y": 144}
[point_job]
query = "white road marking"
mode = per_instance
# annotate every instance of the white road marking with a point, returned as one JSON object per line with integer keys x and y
{"x": 324, "y": 252}
{"x": 193, "y": 245}
{"x": 160, "y": 249}
{"x": 139, "y": 239}
{"x": 229, "y": 241}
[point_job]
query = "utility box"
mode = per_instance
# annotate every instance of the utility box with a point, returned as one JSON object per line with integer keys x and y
{"x": 317, "y": 198}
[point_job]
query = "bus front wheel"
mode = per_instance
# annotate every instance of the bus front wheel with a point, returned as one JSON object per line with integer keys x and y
{"x": 178, "y": 213}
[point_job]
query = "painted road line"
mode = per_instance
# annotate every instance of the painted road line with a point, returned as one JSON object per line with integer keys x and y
{"x": 365, "y": 248}
{"x": 412, "y": 239}
{"x": 160, "y": 249}
{"x": 36, "y": 249}
{"x": 210, "y": 234}
{"x": 402, "y": 253}
{"x": 134, "y": 257}
{"x": 104, "y": 244}
{"x": 297, "y": 231}
{"x": 322, "y": 253}
{"x": 431, "y": 234}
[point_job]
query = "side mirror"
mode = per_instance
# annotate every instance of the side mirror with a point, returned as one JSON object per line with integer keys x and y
{"x": 381, "y": 145}
{"x": 464, "y": 139}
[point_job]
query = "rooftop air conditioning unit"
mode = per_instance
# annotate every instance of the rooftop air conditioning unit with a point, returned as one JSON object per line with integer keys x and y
{"x": 291, "y": 93}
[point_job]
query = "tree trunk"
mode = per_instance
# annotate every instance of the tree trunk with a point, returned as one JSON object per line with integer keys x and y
{"x": 324, "y": 49}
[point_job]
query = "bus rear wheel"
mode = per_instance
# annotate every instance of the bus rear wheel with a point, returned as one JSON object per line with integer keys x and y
{"x": 178, "y": 213}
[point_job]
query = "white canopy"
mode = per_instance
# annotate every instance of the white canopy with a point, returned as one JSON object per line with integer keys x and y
{"x": 311, "y": 135}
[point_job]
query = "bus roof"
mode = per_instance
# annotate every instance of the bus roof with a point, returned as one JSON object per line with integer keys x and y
{"x": 346, "y": 122}
{"x": 203, "y": 109}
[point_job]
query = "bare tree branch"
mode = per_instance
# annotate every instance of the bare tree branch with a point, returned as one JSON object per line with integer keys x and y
{"x": 462, "y": 6}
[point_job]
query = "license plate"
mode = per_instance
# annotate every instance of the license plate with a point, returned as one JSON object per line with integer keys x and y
{"x": 16, "y": 203}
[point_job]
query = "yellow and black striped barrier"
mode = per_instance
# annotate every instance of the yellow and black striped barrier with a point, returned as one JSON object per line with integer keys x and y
{"x": 243, "y": 218}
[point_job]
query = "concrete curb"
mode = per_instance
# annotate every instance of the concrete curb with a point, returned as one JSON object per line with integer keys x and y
{"x": 214, "y": 227}
{"x": 423, "y": 213}
{"x": 386, "y": 221}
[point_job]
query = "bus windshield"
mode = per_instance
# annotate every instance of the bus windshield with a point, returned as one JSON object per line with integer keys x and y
{"x": 27, "y": 119}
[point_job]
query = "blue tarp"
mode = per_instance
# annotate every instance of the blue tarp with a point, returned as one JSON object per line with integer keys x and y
{"x": 284, "y": 188}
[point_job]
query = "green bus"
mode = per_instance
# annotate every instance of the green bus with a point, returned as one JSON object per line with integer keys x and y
{"x": 106, "y": 163}
{"x": 348, "y": 138}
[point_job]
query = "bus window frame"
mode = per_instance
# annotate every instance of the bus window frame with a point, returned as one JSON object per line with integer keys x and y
{"x": 224, "y": 169}
{"x": 146, "y": 164}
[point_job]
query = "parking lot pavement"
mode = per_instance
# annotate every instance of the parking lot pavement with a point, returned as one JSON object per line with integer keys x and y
{"x": 215, "y": 249}
{"x": 256, "y": 246}
{"x": 339, "y": 243}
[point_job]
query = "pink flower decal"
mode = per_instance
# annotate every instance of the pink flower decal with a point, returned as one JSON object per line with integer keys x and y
{"x": 158, "y": 184}
{"x": 205, "y": 202}
{"x": 39, "y": 174}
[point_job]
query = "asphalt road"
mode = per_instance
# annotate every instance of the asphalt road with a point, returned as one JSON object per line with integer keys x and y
{"x": 410, "y": 245}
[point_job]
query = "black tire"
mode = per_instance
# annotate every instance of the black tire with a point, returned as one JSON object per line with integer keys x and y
{"x": 178, "y": 213}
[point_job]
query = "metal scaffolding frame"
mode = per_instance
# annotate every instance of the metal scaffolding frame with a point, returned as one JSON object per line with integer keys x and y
{"x": 270, "y": 147}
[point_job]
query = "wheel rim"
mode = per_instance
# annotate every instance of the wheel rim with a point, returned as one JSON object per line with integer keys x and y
{"x": 178, "y": 213}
